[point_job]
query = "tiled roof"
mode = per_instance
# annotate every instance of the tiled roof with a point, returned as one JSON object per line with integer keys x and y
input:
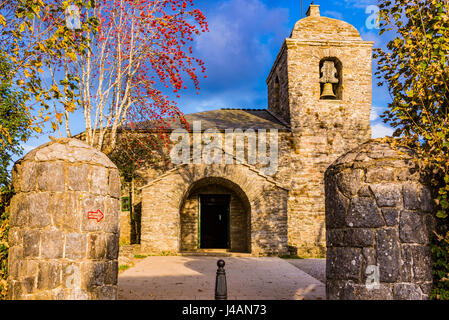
{"x": 230, "y": 118}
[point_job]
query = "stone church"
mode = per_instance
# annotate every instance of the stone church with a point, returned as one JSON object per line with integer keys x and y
{"x": 319, "y": 104}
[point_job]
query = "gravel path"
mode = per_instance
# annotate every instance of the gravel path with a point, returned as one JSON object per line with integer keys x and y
{"x": 315, "y": 267}
{"x": 189, "y": 278}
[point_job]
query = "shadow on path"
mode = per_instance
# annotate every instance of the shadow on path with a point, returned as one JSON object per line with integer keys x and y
{"x": 190, "y": 278}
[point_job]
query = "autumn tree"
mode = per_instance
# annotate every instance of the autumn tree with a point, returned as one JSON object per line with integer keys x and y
{"x": 139, "y": 51}
{"x": 34, "y": 35}
{"x": 415, "y": 68}
{"x": 15, "y": 121}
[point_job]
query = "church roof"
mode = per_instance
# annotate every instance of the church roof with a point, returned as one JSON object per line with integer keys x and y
{"x": 236, "y": 118}
{"x": 230, "y": 118}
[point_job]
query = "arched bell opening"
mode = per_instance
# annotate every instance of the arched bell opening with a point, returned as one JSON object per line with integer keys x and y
{"x": 331, "y": 79}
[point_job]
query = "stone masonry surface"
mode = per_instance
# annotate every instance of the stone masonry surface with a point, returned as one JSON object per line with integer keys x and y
{"x": 56, "y": 252}
{"x": 378, "y": 214}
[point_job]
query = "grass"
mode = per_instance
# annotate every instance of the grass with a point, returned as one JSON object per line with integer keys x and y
{"x": 139, "y": 256}
{"x": 124, "y": 267}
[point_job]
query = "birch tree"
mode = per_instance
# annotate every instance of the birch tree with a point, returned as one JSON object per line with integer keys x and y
{"x": 141, "y": 49}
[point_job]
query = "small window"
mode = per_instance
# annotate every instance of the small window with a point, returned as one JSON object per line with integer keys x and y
{"x": 126, "y": 204}
{"x": 331, "y": 80}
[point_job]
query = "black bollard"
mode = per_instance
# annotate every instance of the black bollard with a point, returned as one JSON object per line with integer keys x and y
{"x": 221, "y": 291}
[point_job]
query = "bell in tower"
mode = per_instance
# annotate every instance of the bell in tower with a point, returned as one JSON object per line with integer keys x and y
{"x": 328, "y": 77}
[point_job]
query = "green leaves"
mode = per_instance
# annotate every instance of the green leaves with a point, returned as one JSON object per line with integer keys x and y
{"x": 415, "y": 69}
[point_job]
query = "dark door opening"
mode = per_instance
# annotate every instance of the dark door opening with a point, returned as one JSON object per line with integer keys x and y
{"x": 214, "y": 221}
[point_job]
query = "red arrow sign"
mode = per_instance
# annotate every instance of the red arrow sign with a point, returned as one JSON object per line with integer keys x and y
{"x": 97, "y": 215}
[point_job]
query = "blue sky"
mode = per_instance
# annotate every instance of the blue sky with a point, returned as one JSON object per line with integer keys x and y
{"x": 244, "y": 39}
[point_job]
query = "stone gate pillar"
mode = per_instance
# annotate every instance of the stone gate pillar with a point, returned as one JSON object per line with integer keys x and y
{"x": 64, "y": 224}
{"x": 378, "y": 219}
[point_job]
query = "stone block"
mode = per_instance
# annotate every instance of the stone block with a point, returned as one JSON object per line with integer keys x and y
{"x": 58, "y": 294}
{"x": 407, "y": 291}
{"x": 379, "y": 174}
{"x": 412, "y": 228}
{"x": 15, "y": 259}
{"x": 52, "y": 244}
{"x": 28, "y": 284}
{"x": 93, "y": 274}
{"x": 343, "y": 263}
{"x": 78, "y": 177}
{"x": 336, "y": 207}
{"x": 349, "y": 181}
{"x": 75, "y": 245}
{"x": 417, "y": 197}
{"x": 50, "y": 176}
{"x": 106, "y": 293}
{"x": 71, "y": 275}
{"x": 39, "y": 210}
{"x": 363, "y": 213}
{"x": 381, "y": 292}
{"x": 49, "y": 276}
{"x": 391, "y": 216}
{"x": 66, "y": 211}
{"x": 387, "y": 194}
{"x": 416, "y": 263}
{"x": 99, "y": 180}
{"x": 388, "y": 254}
{"x": 112, "y": 245}
{"x": 111, "y": 273}
{"x": 350, "y": 237}
{"x": 114, "y": 183}
{"x": 19, "y": 210}
{"x": 96, "y": 246}
{"x": 93, "y": 203}
{"x": 27, "y": 179}
{"x": 411, "y": 198}
{"x": 15, "y": 237}
{"x": 369, "y": 258}
{"x": 112, "y": 222}
{"x": 31, "y": 243}
{"x": 340, "y": 290}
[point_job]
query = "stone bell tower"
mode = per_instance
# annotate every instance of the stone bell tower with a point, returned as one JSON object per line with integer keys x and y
{"x": 320, "y": 84}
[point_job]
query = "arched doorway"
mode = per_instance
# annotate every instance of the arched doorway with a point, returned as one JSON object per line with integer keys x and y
{"x": 215, "y": 214}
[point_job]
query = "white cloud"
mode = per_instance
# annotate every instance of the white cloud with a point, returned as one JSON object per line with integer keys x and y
{"x": 375, "y": 113}
{"x": 380, "y": 130}
{"x": 333, "y": 14}
{"x": 243, "y": 34}
{"x": 360, "y": 3}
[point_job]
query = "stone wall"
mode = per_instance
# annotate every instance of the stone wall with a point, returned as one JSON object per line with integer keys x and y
{"x": 265, "y": 199}
{"x": 58, "y": 250}
{"x": 378, "y": 219}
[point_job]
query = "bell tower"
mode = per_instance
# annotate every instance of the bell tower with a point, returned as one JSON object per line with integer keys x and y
{"x": 320, "y": 85}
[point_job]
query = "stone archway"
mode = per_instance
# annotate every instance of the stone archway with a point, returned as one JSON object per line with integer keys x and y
{"x": 193, "y": 219}
{"x": 163, "y": 198}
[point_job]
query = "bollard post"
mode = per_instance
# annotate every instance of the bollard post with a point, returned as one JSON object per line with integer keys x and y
{"x": 221, "y": 291}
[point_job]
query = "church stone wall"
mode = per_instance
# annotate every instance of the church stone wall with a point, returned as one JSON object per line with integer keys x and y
{"x": 163, "y": 198}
